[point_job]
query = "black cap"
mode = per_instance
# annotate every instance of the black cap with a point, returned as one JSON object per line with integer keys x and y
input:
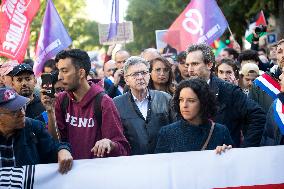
{"x": 21, "y": 68}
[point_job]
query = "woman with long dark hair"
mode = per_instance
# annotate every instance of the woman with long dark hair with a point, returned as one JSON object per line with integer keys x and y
{"x": 161, "y": 75}
{"x": 194, "y": 102}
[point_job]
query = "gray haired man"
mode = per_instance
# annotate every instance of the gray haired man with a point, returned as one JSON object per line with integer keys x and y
{"x": 142, "y": 111}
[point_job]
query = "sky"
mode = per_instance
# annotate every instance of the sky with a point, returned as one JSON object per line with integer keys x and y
{"x": 99, "y": 10}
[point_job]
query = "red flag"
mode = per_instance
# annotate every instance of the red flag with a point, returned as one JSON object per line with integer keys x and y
{"x": 196, "y": 25}
{"x": 15, "y": 19}
{"x": 261, "y": 20}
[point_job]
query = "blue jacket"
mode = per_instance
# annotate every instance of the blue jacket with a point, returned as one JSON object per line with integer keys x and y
{"x": 182, "y": 137}
{"x": 34, "y": 145}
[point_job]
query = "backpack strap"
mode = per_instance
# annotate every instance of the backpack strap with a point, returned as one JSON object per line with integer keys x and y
{"x": 97, "y": 106}
{"x": 64, "y": 104}
{"x": 98, "y": 109}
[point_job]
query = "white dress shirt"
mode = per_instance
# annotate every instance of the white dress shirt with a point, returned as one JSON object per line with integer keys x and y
{"x": 142, "y": 105}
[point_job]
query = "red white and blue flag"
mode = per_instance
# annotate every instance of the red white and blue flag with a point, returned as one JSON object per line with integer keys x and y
{"x": 279, "y": 114}
{"x": 268, "y": 84}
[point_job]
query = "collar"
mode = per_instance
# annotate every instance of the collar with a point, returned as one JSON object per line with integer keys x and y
{"x": 146, "y": 97}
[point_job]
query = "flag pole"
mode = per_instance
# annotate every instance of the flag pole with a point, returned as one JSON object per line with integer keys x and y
{"x": 231, "y": 33}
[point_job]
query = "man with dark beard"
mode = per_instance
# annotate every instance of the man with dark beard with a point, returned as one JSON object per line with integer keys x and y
{"x": 23, "y": 81}
{"x": 85, "y": 116}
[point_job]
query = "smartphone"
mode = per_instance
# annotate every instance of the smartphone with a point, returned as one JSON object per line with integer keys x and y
{"x": 47, "y": 83}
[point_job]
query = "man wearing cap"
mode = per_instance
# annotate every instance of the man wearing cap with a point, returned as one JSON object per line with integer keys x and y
{"x": 23, "y": 81}
{"x": 5, "y": 72}
{"x": 248, "y": 74}
{"x": 23, "y": 141}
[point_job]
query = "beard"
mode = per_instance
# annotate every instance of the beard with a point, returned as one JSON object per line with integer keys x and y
{"x": 74, "y": 85}
{"x": 26, "y": 92}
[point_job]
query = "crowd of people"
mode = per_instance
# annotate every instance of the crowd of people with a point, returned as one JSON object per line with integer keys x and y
{"x": 144, "y": 104}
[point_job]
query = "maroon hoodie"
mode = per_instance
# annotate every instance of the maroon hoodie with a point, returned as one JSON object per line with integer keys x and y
{"x": 79, "y": 126}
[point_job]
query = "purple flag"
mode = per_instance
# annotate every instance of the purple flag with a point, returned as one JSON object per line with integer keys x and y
{"x": 114, "y": 19}
{"x": 52, "y": 39}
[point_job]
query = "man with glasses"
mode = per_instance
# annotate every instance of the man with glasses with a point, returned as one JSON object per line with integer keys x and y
{"x": 23, "y": 141}
{"x": 142, "y": 111}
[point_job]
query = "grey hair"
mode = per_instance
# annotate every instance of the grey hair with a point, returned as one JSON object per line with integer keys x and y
{"x": 207, "y": 53}
{"x": 134, "y": 60}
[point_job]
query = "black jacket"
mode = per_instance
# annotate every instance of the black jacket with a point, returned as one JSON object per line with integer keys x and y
{"x": 33, "y": 145}
{"x": 140, "y": 133}
{"x": 35, "y": 108}
{"x": 272, "y": 135}
{"x": 238, "y": 113}
{"x": 261, "y": 97}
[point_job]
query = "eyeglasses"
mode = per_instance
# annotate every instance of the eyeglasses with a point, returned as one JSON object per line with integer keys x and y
{"x": 137, "y": 74}
{"x": 160, "y": 70}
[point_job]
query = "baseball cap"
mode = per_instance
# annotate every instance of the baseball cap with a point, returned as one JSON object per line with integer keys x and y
{"x": 21, "y": 68}
{"x": 10, "y": 100}
{"x": 7, "y": 67}
{"x": 248, "y": 68}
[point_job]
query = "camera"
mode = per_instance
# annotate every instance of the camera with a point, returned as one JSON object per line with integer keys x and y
{"x": 121, "y": 81}
{"x": 260, "y": 29}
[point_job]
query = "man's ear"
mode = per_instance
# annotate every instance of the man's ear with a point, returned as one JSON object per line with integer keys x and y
{"x": 13, "y": 81}
{"x": 126, "y": 80}
{"x": 35, "y": 80}
{"x": 210, "y": 65}
{"x": 82, "y": 73}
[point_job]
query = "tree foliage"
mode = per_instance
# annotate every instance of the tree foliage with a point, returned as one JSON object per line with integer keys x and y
{"x": 150, "y": 15}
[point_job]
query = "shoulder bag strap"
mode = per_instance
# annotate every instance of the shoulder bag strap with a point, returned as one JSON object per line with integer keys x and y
{"x": 209, "y": 136}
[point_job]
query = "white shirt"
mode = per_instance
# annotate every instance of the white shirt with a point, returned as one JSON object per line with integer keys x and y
{"x": 142, "y": 105}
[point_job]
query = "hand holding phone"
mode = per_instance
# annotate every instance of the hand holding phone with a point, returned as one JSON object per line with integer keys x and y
{"x": 47, "y": 84}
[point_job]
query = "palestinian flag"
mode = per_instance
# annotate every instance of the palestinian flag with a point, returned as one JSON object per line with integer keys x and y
{"x": 260, "y": 21}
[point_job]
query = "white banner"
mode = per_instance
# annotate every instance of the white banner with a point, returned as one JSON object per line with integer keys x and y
{"x": 189, "y": 170}
{"x": 124, "y": 34}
